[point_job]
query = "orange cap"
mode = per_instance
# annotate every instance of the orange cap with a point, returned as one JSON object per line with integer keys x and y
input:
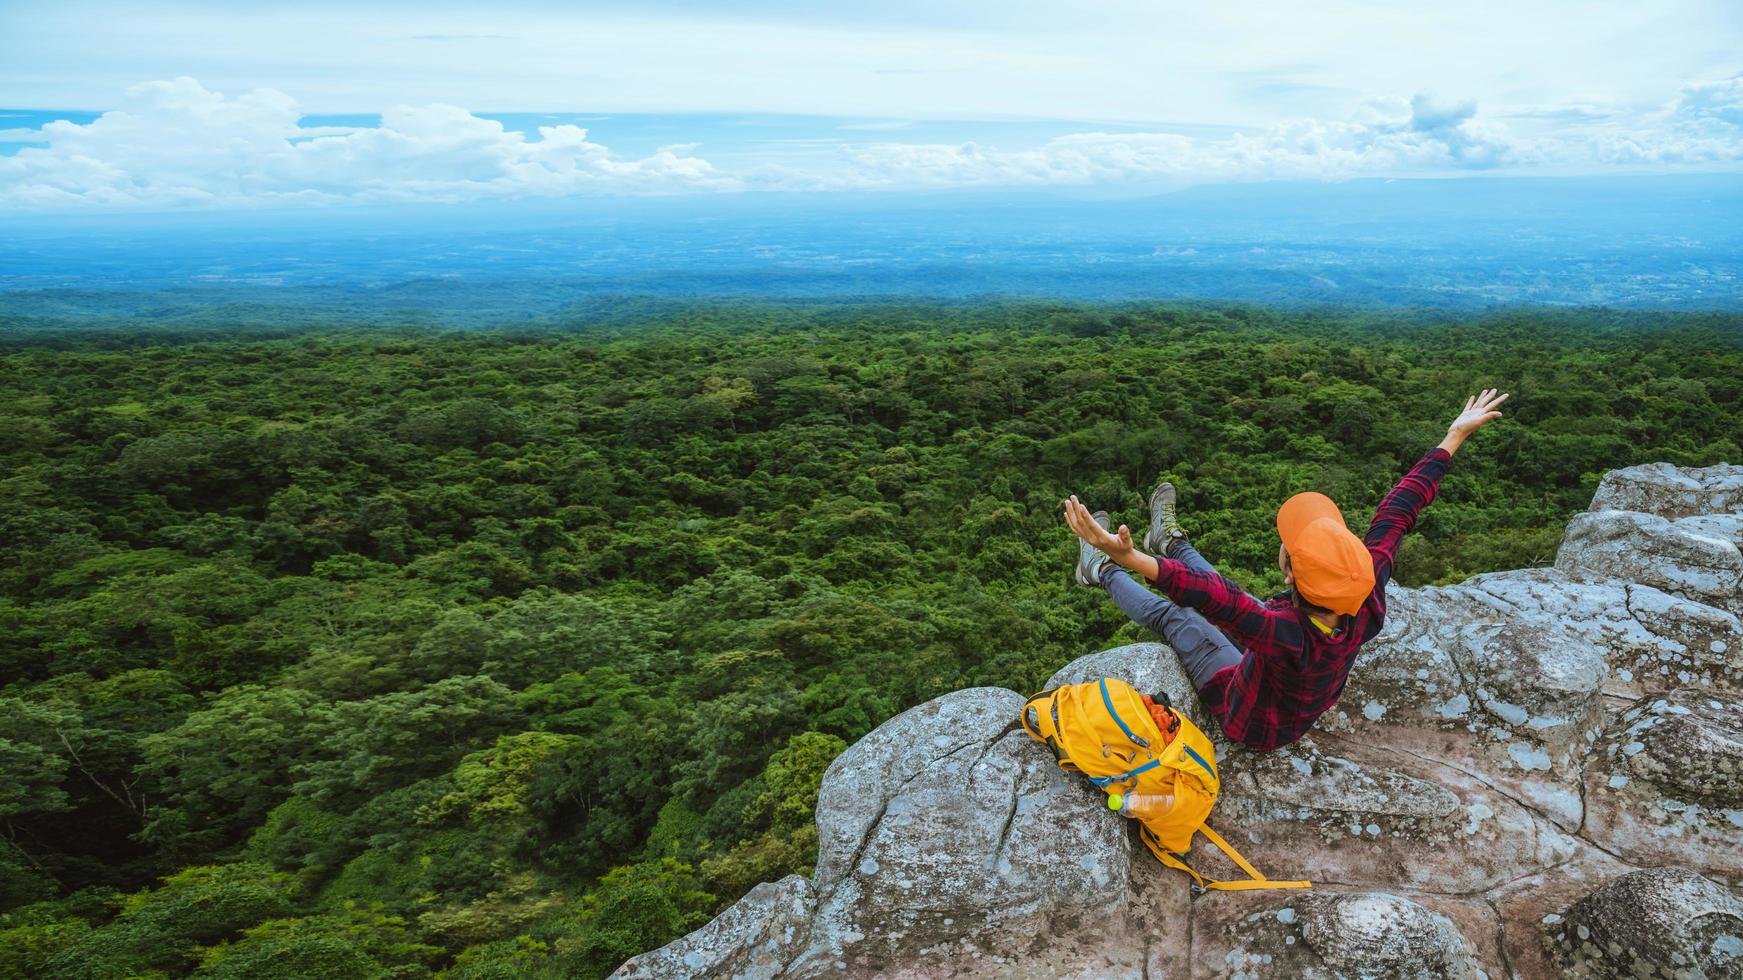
{"x": 1332, "y": 566}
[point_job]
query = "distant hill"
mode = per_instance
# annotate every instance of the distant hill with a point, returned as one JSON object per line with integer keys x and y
{"x": 1668, "y": 243}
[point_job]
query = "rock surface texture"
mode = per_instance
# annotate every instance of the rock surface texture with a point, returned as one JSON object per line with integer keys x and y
{"x": 1535, "y": 773}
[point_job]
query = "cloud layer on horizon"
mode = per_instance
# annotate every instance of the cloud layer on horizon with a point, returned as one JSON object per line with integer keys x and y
{"x": 176, "y": 144}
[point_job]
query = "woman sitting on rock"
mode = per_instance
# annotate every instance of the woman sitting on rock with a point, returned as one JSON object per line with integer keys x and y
{"x": 1266, "y": 670}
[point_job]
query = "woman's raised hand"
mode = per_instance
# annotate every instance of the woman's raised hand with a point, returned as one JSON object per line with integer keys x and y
{"x": 1479, "y": 411}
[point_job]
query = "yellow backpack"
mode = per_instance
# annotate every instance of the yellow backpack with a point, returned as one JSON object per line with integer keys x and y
{"x": 1105, "y": 730}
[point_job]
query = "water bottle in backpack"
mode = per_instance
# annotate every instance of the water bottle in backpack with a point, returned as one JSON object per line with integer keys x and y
{"x": 1140, "y": 806}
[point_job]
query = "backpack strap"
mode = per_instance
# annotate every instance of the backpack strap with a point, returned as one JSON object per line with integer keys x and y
{"x": 1023, "y": 716}
{"x": 1259, "y": 880}
{"x": 1039, "y": 703}
{"x": 1201, "y": 883}
{"x": 1108, "y": 702}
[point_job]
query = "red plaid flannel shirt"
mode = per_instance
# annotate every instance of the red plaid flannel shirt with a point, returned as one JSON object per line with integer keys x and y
{"x": 1292, "y": 672}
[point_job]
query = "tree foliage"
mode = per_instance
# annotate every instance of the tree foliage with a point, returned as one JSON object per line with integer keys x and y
{"x": 393, "y": 652}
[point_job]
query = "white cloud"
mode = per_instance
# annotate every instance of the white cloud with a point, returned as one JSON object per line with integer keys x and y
{"x": 178, "y": 144}
{"x": 1420, "y": 136}
{"x": 1710, "y": 110}
{"x": 1390, "y": 136}
{"x": 1703, "y": 125}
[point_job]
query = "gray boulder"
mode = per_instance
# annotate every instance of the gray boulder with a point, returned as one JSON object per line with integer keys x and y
{"x": 1693, "y": 746}
{"x": 1651, "y": 639}
{"x": 1672, "y": 491}
{"x": 1381, "y": 935}
{"x": 1372, "y": 935}
{"x": 1723, "y": 527}
{"x": 1328, "y": 808}
{"x": 1445, "y": 659}
{"x": 1668, "y": 779}
{"x": 1661, "y": 922}
{"x": 997, "y": 842}
{"x": 1408, "y": 674}
{"x": 1675, "y": 557}
{"x": 1150, "y": 667}
{"x": 945, "y": 821}
{"x": 1536, "y": 681}
{"x": 1516, "y": 696}
{"x": 753, "y": 940}
{"x": 953, "y": 732}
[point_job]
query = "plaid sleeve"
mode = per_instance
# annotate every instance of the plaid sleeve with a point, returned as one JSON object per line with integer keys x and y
{"x": 1398, "y": 511}
{"x": 1243, "y": 618}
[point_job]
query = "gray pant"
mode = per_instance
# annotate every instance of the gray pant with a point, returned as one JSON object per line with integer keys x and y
{"x": 1202, "y": 648}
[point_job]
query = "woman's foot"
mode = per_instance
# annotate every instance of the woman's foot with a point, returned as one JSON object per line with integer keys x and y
{"x": 1164, "y": 529}
{"x": 1090, "y": 560}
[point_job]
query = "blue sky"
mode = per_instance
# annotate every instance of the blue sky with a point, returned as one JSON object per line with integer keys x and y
{"x": 164, "y": 106}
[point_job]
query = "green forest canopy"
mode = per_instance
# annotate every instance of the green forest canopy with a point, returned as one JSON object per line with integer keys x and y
{"x": 399, "y": 652}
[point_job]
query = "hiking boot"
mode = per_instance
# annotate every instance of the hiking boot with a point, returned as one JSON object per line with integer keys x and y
{"x": 1164, "y": 529}
{"x": 1089, "y": 558}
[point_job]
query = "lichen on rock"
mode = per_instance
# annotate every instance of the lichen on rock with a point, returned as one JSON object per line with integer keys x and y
{"x": 1676, "y": 557}
{"x": 1372, "y": 934}
{"x": 1668, "y": 778}
{"x": 1666, "y": 923}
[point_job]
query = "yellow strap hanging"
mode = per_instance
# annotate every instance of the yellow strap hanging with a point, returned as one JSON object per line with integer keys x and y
{"x": 1258, "y": 881}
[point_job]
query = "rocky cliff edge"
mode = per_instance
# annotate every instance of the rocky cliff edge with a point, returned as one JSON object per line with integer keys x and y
{"x": 1535, "y": 773}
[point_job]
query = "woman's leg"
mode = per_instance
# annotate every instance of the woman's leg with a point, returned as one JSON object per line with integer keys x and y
{"x": 1182, "y": 551}
{"x": 1202, "y": 648}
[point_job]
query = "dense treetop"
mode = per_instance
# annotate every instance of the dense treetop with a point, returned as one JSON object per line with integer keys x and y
{"x": 388, "y": 651}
